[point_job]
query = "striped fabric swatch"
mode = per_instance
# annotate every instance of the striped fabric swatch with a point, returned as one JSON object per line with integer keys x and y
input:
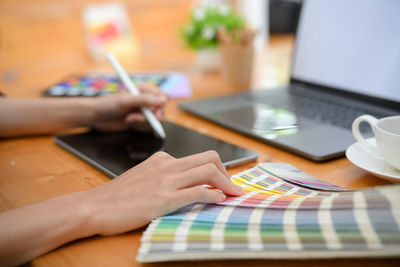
{"x": 276, "y": 219}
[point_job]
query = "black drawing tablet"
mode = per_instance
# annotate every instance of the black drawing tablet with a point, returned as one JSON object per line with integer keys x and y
{"x": 116, "y": 152}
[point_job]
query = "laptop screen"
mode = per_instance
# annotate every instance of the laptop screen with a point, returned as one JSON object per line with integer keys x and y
{"x": 350, "y": 45}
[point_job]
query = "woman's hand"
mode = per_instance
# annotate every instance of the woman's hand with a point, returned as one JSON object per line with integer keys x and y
{"x": 159, "y": 185}
{"x": 121, "y": 111}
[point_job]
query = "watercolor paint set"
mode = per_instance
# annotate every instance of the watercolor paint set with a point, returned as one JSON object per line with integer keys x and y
{"x": 176, "y": 85}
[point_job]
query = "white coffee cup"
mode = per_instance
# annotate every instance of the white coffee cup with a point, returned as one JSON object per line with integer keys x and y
{"x": 387, "y": 137}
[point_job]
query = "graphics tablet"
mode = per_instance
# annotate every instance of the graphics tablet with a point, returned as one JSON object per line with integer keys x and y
{"x": 115, "y": 153}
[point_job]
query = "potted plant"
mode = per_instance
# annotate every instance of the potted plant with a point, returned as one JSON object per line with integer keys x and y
{"x": 200, "y": 32}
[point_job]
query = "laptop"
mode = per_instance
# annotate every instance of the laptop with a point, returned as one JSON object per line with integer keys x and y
{"x": 346, "y": 63}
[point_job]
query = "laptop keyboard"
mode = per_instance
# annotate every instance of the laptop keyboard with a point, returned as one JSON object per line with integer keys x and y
{"x": 331, "y": 109}
{"x": 328, "y": 113}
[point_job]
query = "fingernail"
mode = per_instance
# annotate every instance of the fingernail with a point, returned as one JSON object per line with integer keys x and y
{"x": 239, "y": 189}
{"x": 222, "y": 197}
{"x": 130, "y": 119}
{"x": 158, "y": 100}
{"x": 159, "y": 114}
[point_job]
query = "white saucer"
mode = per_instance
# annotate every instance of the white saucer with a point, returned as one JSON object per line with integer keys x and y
{"x": 375, "y": 165}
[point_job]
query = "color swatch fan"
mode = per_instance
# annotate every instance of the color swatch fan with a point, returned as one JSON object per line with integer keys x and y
{"x": 276, "y": 218}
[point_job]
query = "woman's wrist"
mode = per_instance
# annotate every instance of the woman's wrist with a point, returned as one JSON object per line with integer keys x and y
{"x": 83, "y": 111}
{"x": 83, "y": 212}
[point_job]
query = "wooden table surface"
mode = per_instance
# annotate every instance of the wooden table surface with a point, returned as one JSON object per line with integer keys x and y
{"x": 43, "y": 41}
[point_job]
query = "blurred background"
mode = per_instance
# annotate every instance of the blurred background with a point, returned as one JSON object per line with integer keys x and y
{"x": 43, "y": 41}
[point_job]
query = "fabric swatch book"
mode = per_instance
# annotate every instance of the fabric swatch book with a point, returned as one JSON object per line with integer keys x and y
{"x": 284, "y": 213}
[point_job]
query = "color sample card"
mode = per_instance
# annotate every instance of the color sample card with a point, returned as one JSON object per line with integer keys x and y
{"x": 277, "y": 219}
{"x": 291, "y": 174}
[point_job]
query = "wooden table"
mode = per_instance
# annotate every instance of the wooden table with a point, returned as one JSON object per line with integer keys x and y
{"x": 41, "y": 42}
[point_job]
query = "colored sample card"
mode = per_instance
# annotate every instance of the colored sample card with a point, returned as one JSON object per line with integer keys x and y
{"x": 291, "y": 174}
{"x": 276, "y": 218}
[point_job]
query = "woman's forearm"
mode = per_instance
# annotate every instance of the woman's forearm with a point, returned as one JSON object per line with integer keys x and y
{"x": 42, "y": 116}
{"x": 30, "y": 231}
{"x": 114, "y": 112}
{"x": 157, "y": 186}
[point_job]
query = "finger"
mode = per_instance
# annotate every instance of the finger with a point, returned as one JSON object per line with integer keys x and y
{"x": 145, "y": 87}
{"x": 134, "y": 101}
{"x": 135, "y": 118}
{"x": 198, "y": 194}
{"x": 206, "y": 174}
{"x": 202, "y": 158}
{"x": 150, "y": 88}
{"x": 160, "y": 114}
{"x": 192, "y": 195}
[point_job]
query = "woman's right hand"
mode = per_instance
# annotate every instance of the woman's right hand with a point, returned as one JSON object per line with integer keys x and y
{"x": 158, "y": 186}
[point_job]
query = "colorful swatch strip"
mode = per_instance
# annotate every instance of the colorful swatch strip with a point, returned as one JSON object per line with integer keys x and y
{"x": 276, "y": 218}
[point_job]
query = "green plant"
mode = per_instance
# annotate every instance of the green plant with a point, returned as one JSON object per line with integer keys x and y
{"x": 201, "y": 29}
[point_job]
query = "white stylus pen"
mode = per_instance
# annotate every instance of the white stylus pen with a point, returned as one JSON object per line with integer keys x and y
{"x": 151, "y": 118}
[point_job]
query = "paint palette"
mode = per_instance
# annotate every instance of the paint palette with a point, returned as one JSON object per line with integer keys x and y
{"x": 176, "y": 85}
{"x": 278, "y": 219}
